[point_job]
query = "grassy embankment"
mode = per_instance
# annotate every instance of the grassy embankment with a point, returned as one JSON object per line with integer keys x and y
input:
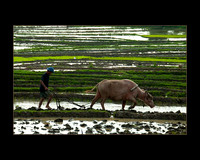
{"x": 61, "y": 113}
{"x": 163, "y": 59}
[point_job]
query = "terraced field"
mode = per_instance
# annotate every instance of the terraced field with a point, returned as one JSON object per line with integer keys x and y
{"x": 152, "y": 56}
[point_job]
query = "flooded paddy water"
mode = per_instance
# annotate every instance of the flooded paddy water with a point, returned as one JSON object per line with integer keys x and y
{"x": 95, "y": 126}
{"x": 24, "y": 104}
{"x": 152, "y": 56}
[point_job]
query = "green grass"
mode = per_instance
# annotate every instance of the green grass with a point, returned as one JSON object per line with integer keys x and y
{"x": 22, "y": 59}
{"x": 164, "y": 36}
{"x": 164, "y": 59}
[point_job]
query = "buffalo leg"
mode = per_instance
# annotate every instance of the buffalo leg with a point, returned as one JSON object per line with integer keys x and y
{"x": 123, "y": 105}
{"x": 134, "y": 103}
{"x": 102, "y": 103}
{"x": 95, "y": 99}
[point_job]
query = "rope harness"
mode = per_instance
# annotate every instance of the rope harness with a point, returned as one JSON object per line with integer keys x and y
{"x": 67, "y": 99}
{"x": 134, "y": 88}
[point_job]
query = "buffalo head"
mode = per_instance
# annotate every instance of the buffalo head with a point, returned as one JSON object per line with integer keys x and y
{"x": 148, "y": 99}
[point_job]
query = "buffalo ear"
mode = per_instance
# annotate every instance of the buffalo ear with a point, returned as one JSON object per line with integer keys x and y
{"x": 149, "y": 95}
{"x": 146, "y": 93}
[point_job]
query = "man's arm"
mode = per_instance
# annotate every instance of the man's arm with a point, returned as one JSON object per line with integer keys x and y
{"x": 43, "y": 85}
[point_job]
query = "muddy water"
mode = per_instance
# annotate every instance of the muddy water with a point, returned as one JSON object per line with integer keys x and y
{"x": 96, "y": 126}
{"x": 108, "y": 106}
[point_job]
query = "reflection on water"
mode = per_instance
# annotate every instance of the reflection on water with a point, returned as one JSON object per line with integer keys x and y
{"x": 176, "y": 39}
{"x": 93, "y": 126}
{"x": 62, "y": 34}
{"x": 138, "y": 38}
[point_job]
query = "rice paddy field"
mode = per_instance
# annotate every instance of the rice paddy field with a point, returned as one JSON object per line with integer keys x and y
{"x": 154, "y": 57}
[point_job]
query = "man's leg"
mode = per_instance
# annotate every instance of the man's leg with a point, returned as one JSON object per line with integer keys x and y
{"x": 41, "y": 100}
{"x": 49, "y": 100}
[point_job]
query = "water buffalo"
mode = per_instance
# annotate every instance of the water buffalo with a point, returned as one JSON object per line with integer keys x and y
{"x": 125, "y": 90}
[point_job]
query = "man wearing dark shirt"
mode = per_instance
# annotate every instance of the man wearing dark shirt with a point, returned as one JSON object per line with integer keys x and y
{"x": 44, "y": 84}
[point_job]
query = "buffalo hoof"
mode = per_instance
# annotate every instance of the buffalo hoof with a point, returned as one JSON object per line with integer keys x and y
{"x": 131, "y": 107}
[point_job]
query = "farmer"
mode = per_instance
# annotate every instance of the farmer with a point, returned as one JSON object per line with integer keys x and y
{"x": 44, "y": 92}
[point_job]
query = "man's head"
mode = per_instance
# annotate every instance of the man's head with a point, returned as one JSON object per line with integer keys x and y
{"x": 50, "y": 70}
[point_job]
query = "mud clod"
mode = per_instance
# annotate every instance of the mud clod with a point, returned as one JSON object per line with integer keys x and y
{"x": 58, "y": 120}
